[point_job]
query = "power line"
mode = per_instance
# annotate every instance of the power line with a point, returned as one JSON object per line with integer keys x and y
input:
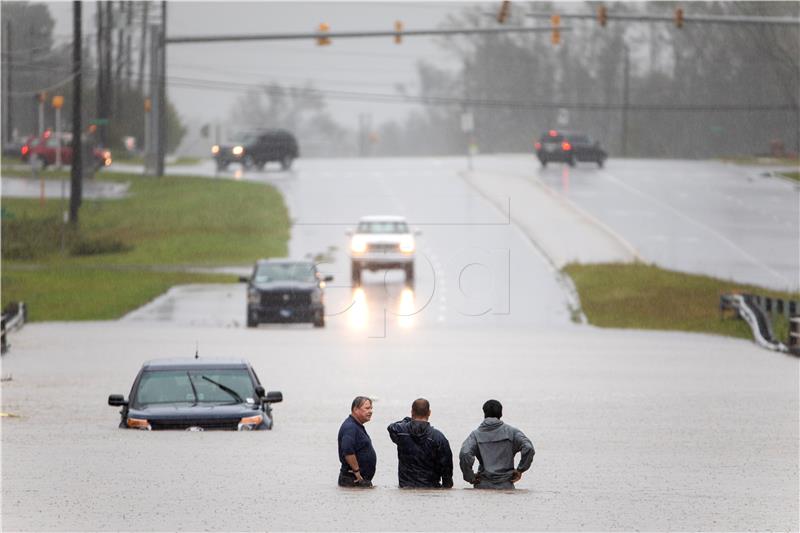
{"x": 305, "y": 92}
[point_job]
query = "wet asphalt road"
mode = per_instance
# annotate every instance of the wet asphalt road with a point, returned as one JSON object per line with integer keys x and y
{"x": 633, "y": 430}
{"x": 703, "y": 217}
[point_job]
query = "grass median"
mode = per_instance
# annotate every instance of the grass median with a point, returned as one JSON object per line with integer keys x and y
{"x": 127, "y": 251}
{"x": 639, "y": 296}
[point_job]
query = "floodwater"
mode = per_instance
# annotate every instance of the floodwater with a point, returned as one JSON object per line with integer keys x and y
{"x": 632, "y": 431}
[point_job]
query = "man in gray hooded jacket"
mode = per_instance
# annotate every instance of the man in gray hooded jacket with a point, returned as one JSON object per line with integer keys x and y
{"x": 495, "y": 444}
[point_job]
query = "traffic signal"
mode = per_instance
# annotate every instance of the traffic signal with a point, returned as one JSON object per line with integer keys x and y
{"x": 502, "y": 15}
{"x": 323, "y": 29}
{"x": 398, "y": 32}
{"x": 555, "y": 21}
{"x": 602, "y": 16}
{"x": 679, "y": 18}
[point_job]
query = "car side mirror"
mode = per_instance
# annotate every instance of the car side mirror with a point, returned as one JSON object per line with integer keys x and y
{"x": 328, "y": 278}
{"x": 259, "y": 391}
{"x": 273, "y": 397}
{"x": 243, "y": 279}
{"x": 116, "y": 400}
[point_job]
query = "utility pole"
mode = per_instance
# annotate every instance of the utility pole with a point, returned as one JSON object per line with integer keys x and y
{"x": 625, "y": 99}
{"x": 9, "y": 106}
{"x": 143, "y": 46}
{"x": 162, "y": 93}
{"x": 76, "y": 172}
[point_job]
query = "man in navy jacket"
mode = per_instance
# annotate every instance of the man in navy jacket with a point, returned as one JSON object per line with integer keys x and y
{"x": 424, "y": 458}
{"x": 356, "y": 454}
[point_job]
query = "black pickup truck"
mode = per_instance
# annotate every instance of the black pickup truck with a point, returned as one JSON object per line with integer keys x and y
{"x": 256, "y": 149}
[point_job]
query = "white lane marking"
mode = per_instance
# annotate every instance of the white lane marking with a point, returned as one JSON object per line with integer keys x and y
{"x": 702, "y": 226}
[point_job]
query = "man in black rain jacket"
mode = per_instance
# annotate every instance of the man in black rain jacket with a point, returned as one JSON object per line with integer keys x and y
{"x": 423, "y": 454}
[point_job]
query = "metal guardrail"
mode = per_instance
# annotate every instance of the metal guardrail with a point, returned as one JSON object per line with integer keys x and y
{"x": 759, "y": 311}
{"x": 14, "y": 316}
{"x": 794, "y": 335}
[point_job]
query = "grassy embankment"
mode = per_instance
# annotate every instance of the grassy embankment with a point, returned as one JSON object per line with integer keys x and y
{"x": 639, "y": 296}
{"x": 128, "y": 251}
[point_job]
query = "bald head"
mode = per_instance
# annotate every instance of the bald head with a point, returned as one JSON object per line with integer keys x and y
{"x": 420, "y": 409}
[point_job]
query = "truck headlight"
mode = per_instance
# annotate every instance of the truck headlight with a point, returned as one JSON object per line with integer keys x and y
{"x": 215, "y": 149}
{"x": 358, "y": 245}
{"x": 407, "y": 245}
{"x": 238, "y": 150}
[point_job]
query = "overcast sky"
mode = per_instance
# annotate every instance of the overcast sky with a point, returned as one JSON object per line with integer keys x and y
{"x": 374, "y": 65}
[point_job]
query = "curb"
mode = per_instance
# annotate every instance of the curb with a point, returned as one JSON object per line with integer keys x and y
{"x": 573, "y": 300}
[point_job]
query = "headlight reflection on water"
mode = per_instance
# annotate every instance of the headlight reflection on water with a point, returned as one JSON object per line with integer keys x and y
{"x": 406, "y": 309}
{"x": 358, "y": 314}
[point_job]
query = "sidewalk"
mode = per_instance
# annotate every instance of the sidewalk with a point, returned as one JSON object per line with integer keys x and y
{"x": 32, "y": 188}
{"x": 563, "y": 232}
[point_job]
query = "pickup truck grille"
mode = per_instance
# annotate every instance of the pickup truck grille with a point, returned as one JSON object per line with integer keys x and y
{"x": 285, "y": 298}
{"x": 381, "y": 247}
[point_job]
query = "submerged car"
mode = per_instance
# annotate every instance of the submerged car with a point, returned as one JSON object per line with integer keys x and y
{"x": 569, "y": 147}
{"x": 256, "y": 149}
{"x": 284, "y": 290}
{"x": 382, "y": 243}
{"x": 197, "y": 394}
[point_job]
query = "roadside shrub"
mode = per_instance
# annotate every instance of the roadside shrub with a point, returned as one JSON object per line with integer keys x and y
{"x": 99, "y": 246}
{"x": 29, "y": 238}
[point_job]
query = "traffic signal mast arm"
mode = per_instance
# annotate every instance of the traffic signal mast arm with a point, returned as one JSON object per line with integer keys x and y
{"x": 716, "y": 19}
{"x": 356, "y": 34}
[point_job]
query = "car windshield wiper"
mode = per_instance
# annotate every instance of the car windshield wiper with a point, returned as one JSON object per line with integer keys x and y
{"x": 194, "y": 390}
{"x": 227, "y": 389}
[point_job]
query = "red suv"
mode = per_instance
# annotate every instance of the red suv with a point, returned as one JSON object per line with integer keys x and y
{"x": 44, "y": 148}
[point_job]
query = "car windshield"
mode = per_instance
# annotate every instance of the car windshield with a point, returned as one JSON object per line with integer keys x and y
{"x": 243, "y": 138}
{"x": 582, "y": 139}
{"x": 382, "y": 227}
{"x": 158, "y": 387}
{"x": 285, "y": 272}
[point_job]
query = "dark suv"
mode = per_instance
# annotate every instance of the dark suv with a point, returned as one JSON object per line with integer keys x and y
{"x": 282, "y": 290}
{"x": 569, "y": 147}
{"x": 256, "y": 149}
{"x": 197, "y": 394}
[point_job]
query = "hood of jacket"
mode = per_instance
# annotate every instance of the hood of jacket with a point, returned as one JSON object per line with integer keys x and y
{"x": 490, "y": 424}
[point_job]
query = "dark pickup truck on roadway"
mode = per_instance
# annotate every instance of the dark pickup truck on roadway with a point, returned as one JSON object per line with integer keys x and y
{"x": 256, "y": 149}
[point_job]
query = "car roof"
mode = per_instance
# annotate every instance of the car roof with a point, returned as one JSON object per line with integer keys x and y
{"x": 285, "y": 261}
{"x": 187, "y": 363}
{"x": 382, "y": 218}
{"x": 565, "y": 133}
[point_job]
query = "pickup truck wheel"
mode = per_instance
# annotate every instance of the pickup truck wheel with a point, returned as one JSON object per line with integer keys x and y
{"x": 355, "y": 274}
{"x": 222, "y": 165}
{"x": 247, "y": 162}
{"x": 251, "y": 323}
{"x": 571, "y": 162}
{"x": 260, "y": 165}
{"x": 600, "y": 163}
{"x": 319, "y": 320}
{"x": 286, "y": 162}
